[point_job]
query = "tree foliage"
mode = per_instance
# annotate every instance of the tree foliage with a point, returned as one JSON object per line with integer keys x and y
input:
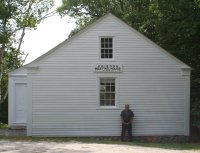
{"x": 172, "y": 24}
{"x": 16, "y": 16}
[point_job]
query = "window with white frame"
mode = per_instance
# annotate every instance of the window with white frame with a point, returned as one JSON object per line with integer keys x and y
{"x": 106, "y": 48}
{"x": 107, "y": 91}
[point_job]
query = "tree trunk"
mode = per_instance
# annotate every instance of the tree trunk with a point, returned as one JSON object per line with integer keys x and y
{"x": 2, "y": 50}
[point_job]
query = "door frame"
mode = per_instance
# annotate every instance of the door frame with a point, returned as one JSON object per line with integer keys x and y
{"x": 12, "y": 102}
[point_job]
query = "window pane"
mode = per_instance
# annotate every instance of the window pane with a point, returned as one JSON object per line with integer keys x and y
{"x": 102, "y": 40}
{"x": 110, "y": 55}
{"x": 107, "y": 103}
{"x": 108, "y": 96}
{"x": 107, "y": 92}
{"x": 103, "y": 88}
{"x": 102, "y": 103}
{"x": 110, "y": 43}
{"x": 112, "y": 81}
{"x": 106, "y": 56}
{"x": 103, "y": 81}
{"x": 106, "y": 51}
{"x": 108, "y": 88}
{"x": 103, "y": 96}
{"x": 112, "y": 88}
{"x": 112, "y": 102}
{"x": 106, "y": 47}
{"x": 113, "y": 96}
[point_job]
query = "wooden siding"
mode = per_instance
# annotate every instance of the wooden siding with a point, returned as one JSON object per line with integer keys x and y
{"x": 64, "y": 88}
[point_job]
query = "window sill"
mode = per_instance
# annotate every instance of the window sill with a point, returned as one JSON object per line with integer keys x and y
{"x": 107, "y": 107}
{"x": 107, "y": 60}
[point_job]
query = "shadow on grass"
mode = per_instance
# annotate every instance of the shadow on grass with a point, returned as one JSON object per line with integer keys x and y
{"x": 174, "y": 146}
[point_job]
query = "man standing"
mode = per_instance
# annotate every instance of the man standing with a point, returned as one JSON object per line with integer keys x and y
{"x": 127, "y": 118}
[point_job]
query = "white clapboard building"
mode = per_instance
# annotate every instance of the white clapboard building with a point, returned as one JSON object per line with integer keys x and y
{"x": 80, "y": 87}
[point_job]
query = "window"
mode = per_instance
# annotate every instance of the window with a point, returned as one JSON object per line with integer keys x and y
{"x": 106, "y": 48}
{"x": 107, "y": 92}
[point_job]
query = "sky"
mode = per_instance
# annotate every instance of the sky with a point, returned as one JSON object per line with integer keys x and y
{"x": 49, "y": 33}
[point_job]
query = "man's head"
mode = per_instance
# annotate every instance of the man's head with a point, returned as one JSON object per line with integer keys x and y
{"x": 127, "y": 106}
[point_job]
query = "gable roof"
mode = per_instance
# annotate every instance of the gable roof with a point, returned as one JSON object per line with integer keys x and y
{"x": 34, "y": 62}
{"x": 21, "y": 71}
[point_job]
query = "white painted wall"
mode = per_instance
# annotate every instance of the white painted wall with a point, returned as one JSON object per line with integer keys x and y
{"x": 63, "y": 91}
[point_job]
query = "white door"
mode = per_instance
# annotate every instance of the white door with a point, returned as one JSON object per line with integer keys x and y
{"x": 20, "y": 102}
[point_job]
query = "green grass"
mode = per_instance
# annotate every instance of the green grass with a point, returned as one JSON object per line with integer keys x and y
{"x": 176, "y": 146}
{"x": 3, "y": 126}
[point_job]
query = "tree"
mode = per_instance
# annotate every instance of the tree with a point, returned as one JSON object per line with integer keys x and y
{"x": 174, "y": 25}
{"x": 17, "y": 16}
{"x": 178, "y": 31}
{"x": 134, "y": 12}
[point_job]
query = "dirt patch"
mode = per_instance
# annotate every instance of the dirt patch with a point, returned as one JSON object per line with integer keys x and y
{"x": 78, "y": 147}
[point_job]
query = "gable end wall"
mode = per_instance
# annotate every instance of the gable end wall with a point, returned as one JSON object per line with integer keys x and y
{"x": 63, "y": 99}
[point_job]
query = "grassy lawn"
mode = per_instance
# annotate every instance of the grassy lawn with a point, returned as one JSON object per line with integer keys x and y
{"x": 3, "y": 126}
{"x": 177, "y": 146}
